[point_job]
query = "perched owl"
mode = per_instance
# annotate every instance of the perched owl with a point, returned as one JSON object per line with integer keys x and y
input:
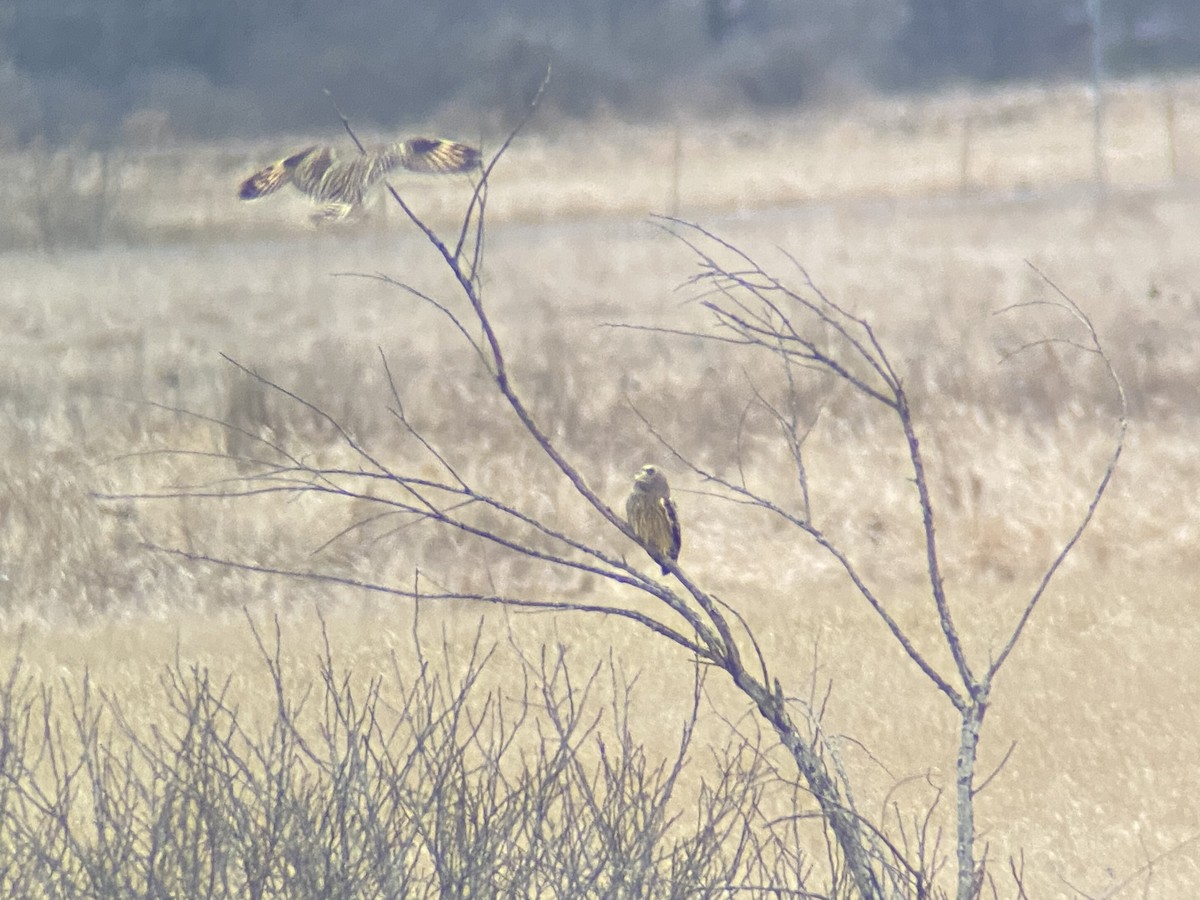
{"x": 651, "y": 515}
{"x": 340, "y": 185}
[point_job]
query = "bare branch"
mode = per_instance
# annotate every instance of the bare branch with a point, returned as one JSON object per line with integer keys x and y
{"x": 426, "y": 298}
{"x": 932, "y": 558}
{"x": 979, "y": 788}
{"x": 1101, "y": 488}
{"x": 414, "y": 593}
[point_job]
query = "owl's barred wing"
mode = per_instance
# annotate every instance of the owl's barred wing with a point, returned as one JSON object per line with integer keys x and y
{"x": 268, "y": 181}
{"x": 313, "y": 167}
{"x": 667, "y": 536}
{"x": 437, "y": 156}
{"x": 676, "y": 532}
{"x": 273, "y": 177}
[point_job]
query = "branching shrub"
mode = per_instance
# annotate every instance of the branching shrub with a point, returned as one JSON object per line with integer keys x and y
{"x": 415, "y": 784}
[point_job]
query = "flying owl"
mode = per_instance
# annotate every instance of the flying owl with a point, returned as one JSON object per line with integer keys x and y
{"x": 651, "y": 514}
{"x": 341, "y": 184}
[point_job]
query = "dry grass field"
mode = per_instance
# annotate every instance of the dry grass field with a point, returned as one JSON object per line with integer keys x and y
{"x": 919, "y": 215}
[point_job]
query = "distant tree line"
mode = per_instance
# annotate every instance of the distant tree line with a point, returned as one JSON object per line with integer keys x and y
{"x": 107, "y": 40}
{"x": 995, "y": 40}
{"x": 230, "y": 65}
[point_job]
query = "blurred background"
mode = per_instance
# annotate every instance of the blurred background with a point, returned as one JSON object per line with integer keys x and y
{"x": 912, "y": 155}
{"x": 88, "y": 70}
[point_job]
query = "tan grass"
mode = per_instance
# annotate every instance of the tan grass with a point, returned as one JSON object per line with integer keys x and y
{"x": 1097, "y": 699}
{"x": 1017, "y": 139}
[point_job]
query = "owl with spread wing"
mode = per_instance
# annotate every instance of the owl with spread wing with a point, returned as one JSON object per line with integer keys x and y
{"x": 651, "y": 514}
{"x": 340, "y": 185}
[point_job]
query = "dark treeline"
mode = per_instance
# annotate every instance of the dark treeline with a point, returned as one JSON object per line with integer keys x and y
{"x": 222, "y": 67}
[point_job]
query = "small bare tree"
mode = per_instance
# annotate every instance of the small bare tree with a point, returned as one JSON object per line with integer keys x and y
{"x": 799, "y": 329}
{"x": 805, "y": 328}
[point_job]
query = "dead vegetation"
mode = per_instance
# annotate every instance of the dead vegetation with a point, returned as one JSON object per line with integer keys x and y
{"x": 995, "y": 433}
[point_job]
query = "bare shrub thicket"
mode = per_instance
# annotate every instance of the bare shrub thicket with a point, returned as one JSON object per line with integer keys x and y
{"x": 414, "y": 783}
{"x": 812, "y": 348}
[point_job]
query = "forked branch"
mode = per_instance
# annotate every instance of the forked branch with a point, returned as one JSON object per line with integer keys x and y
{"x": 1091, "y": 344}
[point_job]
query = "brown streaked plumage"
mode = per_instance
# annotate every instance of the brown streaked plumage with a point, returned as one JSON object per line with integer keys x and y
{"x": 651, "y": 514}
{"x": 340, "y": 185}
